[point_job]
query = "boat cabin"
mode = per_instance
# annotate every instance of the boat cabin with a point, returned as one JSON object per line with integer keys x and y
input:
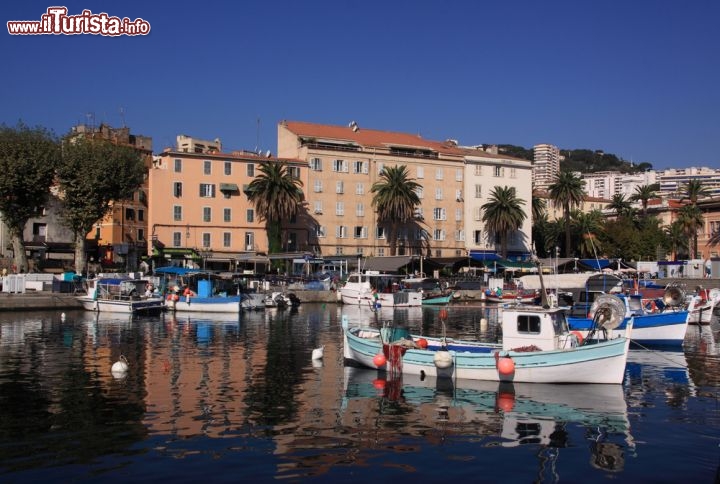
{"x": 531, "y": 326}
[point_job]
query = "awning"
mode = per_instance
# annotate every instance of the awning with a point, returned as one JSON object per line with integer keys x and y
{"x": 386, "y": 264}
{"x": 229, "y": 187}
{"x": 596, "y": 264}
{"x": 484, "y": 256}
{"x": 180, "y": 271}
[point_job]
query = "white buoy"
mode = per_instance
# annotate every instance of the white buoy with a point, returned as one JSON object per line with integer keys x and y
{"x": 443, "y": 359}
{"x": 62, "y": 316}
{"x": 317, "y": 353}
{"x": 120, "y": 366}
{"x": 483, "y": 324}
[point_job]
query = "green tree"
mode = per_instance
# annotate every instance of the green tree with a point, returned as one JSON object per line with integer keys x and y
{"x": 28, "y": 157}
{"x": 277, "y": 197}
{"x": 567, "y": 192}
{"x": 644, "y": 193}
{"x": 676, "y": 237}
{"x": 620, "y": 205}
{"x": 92, "y": 174}
{"x": 588, "y": 226}
{"x": 693, "y": 190}
{"x": 395, "y": 199}
{"x": 691, "y": 219}
{"x": 503, "y": 213}
{"x": 539, "y": 206}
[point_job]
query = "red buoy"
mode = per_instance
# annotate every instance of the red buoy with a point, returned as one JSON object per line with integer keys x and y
{"x": 422, "y": 343}
{"x": 505, "y": 401}
{"x": 379, "y": 384}
{"x": 379, "y": 360}
{"x": 443, "y": 314}
{"x": 506, "y": 366}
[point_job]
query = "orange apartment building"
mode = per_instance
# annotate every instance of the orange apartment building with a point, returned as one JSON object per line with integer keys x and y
{"x": 199, "y": 215}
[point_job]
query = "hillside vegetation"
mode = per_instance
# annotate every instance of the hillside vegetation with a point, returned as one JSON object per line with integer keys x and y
{"x": 582, "y": 160}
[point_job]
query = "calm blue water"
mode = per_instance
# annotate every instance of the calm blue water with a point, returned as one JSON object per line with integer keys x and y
{"x": 236, "y": 399}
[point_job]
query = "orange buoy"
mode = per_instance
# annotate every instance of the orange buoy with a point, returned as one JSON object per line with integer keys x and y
{"x": 379, "y": 384}
{"x": 579, "y": 337}
{"x": 422, "y": 343}
{"x": 443, "y": 314}
{"x": 506, "y": 366}
{"x": 379, "y": 360}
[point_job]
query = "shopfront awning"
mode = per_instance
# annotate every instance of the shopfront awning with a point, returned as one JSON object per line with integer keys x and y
{"x": 484, "y": 256}
{"x": 386, "y": 264}
{"x": 596, "y": 264}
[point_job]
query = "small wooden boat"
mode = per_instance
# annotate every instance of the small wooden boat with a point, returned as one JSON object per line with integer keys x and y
{"x": 706, "y": 302}
{"x": 438, "y": 298}
{"x": 512, "y": 297}
{"x": 537, "y": 347}
{"x": 373, "y": 288}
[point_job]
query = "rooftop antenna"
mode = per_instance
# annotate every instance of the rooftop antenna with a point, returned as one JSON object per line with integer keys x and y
{"x": 122, "y": 116}
{"x": 257, "y": 140}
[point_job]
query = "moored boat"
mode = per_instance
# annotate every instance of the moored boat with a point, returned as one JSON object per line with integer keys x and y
{"x": 373, "y": 288}
{"x": 121, "y": 295}
{"x": 537, "y": 347}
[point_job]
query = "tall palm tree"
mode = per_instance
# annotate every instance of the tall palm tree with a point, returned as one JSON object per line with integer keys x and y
{"x": 539, "y": 206}
{"x": 676, "y": 237}
{"x": 503, "y": 213}
{"x": 693, "y": 190}
{"x": 643, "y": 193}
{"x": 691, "y": 219}
{"x": 619, "y": 204}
{"x": 277, "y": 196}
{"x": 568, "y": 192}
{"x": 588, "y": 226}
{"x": 395, "y": 199}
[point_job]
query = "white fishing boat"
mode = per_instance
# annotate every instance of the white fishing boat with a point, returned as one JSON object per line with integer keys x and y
{"x": 373, "y": 288}
{"x": 121, "y": 295}
{"x": 537, "y": 347}
{"x": 706, "y": 300}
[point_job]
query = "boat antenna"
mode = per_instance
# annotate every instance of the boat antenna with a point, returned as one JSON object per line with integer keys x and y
{"x": 543, "y": 293}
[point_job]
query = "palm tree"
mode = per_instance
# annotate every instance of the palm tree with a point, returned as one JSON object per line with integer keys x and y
{"x": 588, "y": 226}
{"x": 568, "y": 192}
{"x": 538, "y": 205}
{"x": 643, "y": 193}
{"x": 277, "y": 196}
{"x": 395, "y": 198}
{"x": 503, "y": 213}
{"x": 693, "y": 190}
{"x": 691, "y": 219}
{"x": 620, "y": 205}
{"x": 676, "y": 238}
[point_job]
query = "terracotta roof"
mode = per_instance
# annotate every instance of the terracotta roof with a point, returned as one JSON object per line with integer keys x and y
{"x": 373, "y": 138}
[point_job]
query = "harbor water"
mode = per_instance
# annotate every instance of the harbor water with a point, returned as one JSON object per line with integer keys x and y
{"x": 228, "y": 398}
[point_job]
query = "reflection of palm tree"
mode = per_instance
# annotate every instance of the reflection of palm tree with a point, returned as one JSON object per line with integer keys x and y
{"x": 277, "y": 196}
{"x": 567, "y": 192}
{"x": 503, "y": 214}
{"x": 395, "y": 198}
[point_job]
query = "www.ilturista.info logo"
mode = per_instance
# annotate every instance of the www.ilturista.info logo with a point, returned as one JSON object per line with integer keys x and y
{"x": 57, "y": 22}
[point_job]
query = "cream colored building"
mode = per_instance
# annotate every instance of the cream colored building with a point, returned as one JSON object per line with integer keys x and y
{"x": 546, "y": 165}
{"x": 344, "y": 163}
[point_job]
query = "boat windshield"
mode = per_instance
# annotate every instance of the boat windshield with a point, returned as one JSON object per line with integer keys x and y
{"x": 560, "y": 324}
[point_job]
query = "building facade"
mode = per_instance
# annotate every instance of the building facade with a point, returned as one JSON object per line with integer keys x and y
{"x": 200, "y": 216}
{"x": 345, "y": 162}
{"x": 546, "y": 165}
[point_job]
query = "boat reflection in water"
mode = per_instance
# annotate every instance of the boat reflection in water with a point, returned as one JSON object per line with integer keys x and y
{"x": 501, "y": 414}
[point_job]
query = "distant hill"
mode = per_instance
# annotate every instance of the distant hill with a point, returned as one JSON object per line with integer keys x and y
{"x": 584, "y": 161}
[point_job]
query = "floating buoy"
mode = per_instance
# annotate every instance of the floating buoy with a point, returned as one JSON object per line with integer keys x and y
{"x": 442, "y": 359}
{"x": 483, "y": 324}
{"x": 120, "y": 366}
{"x": 62, "y": 317}
{"x": 443, "y": 314}
{"x": 422, "y": 343}
{"x": 579, "y": 337}
{"x": 379, "y": 360}
{"x": 317, "y": 353}
{"x": 506, "y": 366}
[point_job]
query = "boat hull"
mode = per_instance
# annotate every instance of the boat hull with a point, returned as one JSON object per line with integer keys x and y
{"x": 593, "y": 363}
{"x": 229, "y": 304}
{"x": 143, "y": 306}
{"x": 660, "y": 329}
{"x": 396, "y": 299}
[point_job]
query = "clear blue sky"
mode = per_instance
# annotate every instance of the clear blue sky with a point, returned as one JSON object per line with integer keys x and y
{"x": 637, "y": 78}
